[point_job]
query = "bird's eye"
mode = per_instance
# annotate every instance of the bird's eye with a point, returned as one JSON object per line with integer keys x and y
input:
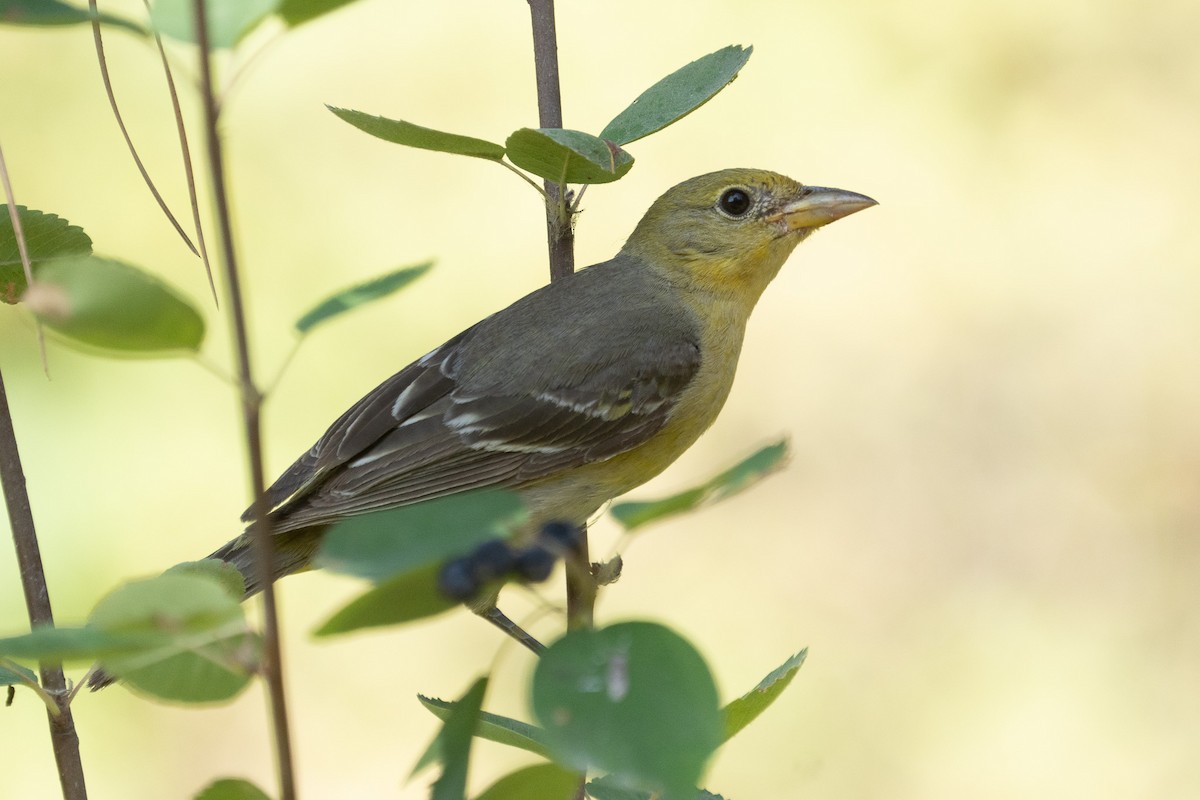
{"x": 734, "y": 202}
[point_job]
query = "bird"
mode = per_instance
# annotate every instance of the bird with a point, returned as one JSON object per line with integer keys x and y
{"x": 574, "y": 394}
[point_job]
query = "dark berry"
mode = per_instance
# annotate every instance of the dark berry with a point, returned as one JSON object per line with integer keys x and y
{"x": 535, "y": 563}
{"x": 492, "y": 559}
{"x": 457, "y": 579}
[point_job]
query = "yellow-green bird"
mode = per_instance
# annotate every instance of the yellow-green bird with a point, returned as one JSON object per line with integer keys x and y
{"x": 573, "y": 394}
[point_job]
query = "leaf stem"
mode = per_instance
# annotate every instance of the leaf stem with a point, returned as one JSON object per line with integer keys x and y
{"x": 523, "y": 177}
{"x": 272, "y": 667}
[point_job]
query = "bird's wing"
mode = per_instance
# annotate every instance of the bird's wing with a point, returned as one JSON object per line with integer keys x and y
{"x": 432, "y": 429}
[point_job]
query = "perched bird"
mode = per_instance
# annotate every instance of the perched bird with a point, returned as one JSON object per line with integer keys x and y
{"x": 577, "y": 392}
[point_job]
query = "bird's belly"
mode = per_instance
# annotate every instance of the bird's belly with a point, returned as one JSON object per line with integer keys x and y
{"x": 577, "y": 494}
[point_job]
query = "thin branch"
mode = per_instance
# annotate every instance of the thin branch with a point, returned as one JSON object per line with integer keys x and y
{"x": 63, "y": 738}
{"x": 560, "y": 237}
{"x": 560, "y": 241}
{"x": 188, "y": 173}
{"x": 581, "y": 588}
{"x": 112, "y": 102}
{"x": 251, "y": 413}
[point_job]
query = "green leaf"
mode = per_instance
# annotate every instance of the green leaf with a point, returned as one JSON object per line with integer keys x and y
{"x": 635, "y": 700}
{"x": 222, "y": 572}
{"x": 741, "y": 476}
{"x": 566, "y": 156}
{"x": 744, "y": 710}
{"x": 357, "y": 295}
{"x": 297, "y": 12}
{"x": 169, "y": 604}
{"x": 228, "y": 20}
{"x": 232, "y": 789}
{"x": 454, "y": 744}
{"x": 677, "y": 95}
{"x": 539, "y": 782}
{"x": 401, "y": 132}
{"x": 211, "y": 669}
{"x": 405, "y": 598}
{"x": 208, "y": 653}
{"x": 384, "y": 543}
{"x": 75, "y": 644}
{"x": 55, "y": 12}
{"x": 495, "y": 728}
{"x": 13, "y": 673}
{"x": 47, "y": 237}
{"x": 115, "y": 308}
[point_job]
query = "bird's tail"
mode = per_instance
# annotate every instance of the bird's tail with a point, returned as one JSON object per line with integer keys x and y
{"x": 293, "y": 553}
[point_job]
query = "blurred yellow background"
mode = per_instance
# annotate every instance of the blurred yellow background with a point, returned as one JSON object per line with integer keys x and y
{"x": 988, "y": 532}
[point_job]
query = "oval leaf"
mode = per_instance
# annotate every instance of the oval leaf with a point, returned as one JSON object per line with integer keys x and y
{"x": 566, "y": 156}
{"x": 410, "y": 596}
{"x": 635, "y": 700}
{"x": 232, "y": 789}
{"x": 222, "y": 572}
{"x": 56, "y": 12}
{"x": 198, "y": 669}
{"x": 114, "y": 307}
{"x": 737, "y": 478}
{"x": 541, "y": 781}
{"x": 208, "y": 653}
{"x": 167, "y": 604}
{"x": 47, "y": 236}
{"x": 358, "y": 295}
{"x": 677, "y": 95}
{"x": 228, "y": 20}
{"x": 401, "y": 132}
{"x": 385, "y": 543}
{"x": 741, "y": 712}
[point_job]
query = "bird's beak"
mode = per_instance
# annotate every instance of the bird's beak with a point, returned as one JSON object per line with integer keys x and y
{"x": 817, "y": 206}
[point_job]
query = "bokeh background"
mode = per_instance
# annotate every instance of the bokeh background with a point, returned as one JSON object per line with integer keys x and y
{"x": 988, "y": 532}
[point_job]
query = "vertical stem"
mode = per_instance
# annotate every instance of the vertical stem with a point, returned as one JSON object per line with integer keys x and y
{"x": 63, "y": 737}
{"x": 560, "y": 236}
{"x": 272, "y": 667}
{"x": 560, "y": 240}
{"x": 581, "y": 587}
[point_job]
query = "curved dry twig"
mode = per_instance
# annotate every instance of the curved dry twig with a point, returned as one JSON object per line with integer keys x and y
{"x": 188, "y": 173}
{"x": 112, "y": 102}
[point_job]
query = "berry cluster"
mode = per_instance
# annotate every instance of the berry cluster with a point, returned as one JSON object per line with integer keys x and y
{"x": 497, "y": 560}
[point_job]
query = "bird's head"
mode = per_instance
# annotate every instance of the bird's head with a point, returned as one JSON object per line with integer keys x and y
{"x": 731, "y": 231}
